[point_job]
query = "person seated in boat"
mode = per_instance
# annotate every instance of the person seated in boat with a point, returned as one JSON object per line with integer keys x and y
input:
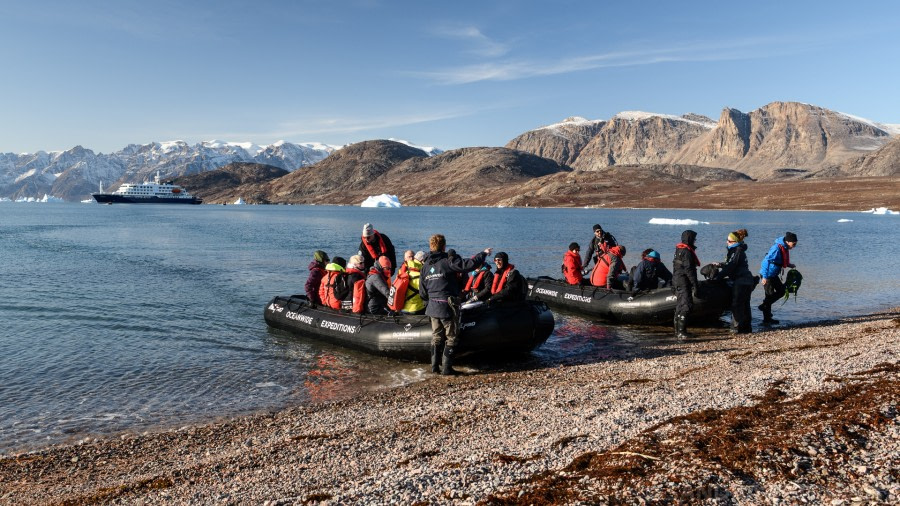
{"x": 373, "y": 245}
{"x": 571, "y": 266}
{"x": 408, "y": 279}
{"x": 378, "y": 286}
{"x": 478, "y": 284}
{"x": 650, "y": 271}
{"x": 316, "y": 273}
{"x": 355, "y": 300}
{"x": 609, "y": 267}
{"x": 333, "y": 289}
{"x": 600, "y": 244}
{"x": 508, "y": 285}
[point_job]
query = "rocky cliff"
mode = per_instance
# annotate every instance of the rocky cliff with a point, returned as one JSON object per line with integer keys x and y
{"x": 236, "y": 180}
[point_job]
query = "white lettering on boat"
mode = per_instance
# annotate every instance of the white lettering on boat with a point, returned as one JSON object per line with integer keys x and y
{"x": 544, "y": 291}
{"x": 467, "y": 325}
{"x": 579, "y": 298}
{"x": 340, "y": 327}
{"x": 670, "y": 298}
{"x": 405, "y": 335}
{"x": 276, "y": 308}
{"x": 299, "y": 317}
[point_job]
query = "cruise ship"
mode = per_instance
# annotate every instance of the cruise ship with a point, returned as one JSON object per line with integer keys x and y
{"x": 156, "y": 192}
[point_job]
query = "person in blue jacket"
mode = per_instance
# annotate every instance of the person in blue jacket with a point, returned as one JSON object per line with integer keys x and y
{"x": 777, "y": 259}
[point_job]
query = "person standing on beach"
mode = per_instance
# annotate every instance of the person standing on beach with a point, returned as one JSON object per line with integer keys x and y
{"x": 684, "y": 278}
{"x": 374, "y": 245}
{"x": 776, "y": 260}
{"x": 439, "y": 287}
{"x": 736, "y": 269}
{"x": 600, "y": 244}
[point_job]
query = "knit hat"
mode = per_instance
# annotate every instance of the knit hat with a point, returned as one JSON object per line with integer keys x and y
{"x": 734, "y": 237}
{"x": 384, "y": 262}
{"x": 320, "y": 256}
{"x": 502, "y": 256}
{"x": 420, "y": 256}
{"x": 790, "y": 237}
{"x": 597, "y": 227}
{"x": 340, "y": 261}
{"x": 368, "y": 231}
{"x": 653, "y": 254}
{"x": 574, "y": 246}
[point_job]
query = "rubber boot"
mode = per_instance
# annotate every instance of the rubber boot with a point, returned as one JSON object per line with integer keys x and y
{"x": 447, "y": 364}
{"x": 767, "y": 316}
{"x": 681, "y": 327}
{"x": 436, "y": 351}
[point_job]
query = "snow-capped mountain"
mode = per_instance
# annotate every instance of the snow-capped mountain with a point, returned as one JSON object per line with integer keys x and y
{"x": 75, "y": 173}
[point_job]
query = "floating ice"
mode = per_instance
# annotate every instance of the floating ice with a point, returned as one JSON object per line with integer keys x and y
{"x": 844, "y": 220}
{"x": 881, "y": 210}
{"x": 383, "y": 200}
{"x": 239, "y": 202}
{"x": 674, "y": 221}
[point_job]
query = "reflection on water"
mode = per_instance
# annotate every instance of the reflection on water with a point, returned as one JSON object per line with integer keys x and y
{"x": 129, "y": 317}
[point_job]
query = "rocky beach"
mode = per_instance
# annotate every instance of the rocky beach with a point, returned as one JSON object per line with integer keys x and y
{"x": 804, "y": 414}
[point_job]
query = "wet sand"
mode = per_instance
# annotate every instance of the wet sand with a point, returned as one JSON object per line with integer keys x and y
{"x": 802, "y": 414}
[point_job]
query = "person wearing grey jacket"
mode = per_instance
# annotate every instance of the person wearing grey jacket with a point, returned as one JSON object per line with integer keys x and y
{"x": 378, "y": 286}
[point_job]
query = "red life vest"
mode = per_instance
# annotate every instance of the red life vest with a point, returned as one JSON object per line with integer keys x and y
{"x": 357, "y": 291}
{"x": 685, "y": 246}
{"x": 397, "y": 296}
{"x": 371, "y": 249}
{"x": 500, "y": 278}
{"x": 785, "y": 257}
{"x": 601, "y": 269}
{"x": 328, "y": 287}
{"x": 475, "y": 281}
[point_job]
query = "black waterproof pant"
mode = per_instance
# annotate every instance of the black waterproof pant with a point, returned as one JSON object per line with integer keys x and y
{"x": 740, "y": 307}
{"x": 774, "y": 291}
{"x": 684, "y": 301}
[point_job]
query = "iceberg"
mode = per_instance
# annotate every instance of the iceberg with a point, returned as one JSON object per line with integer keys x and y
{"x": 881, "y": 210}
{"x": 674, "y": 221}
{"x": 239, "y": 202}
{"x": 383, "y": 200}
{"x": 844, "y": 220}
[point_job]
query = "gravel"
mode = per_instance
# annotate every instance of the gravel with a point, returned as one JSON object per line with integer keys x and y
{"x": 802, "y": 414}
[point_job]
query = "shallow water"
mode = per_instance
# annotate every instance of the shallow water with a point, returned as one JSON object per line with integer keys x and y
{"x": 128, "y": 317}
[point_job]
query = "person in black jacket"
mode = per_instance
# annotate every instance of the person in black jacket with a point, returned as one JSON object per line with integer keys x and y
{"x": 650, "y": 271}
{"x": 508, "y": 284}
{"x": 478, "y": 285}
{"x": 439, "y": 287}
{"x": 735, "y": 268}
{"x": 600, "y": 244}
{"x": 684, "y": 278}
{"x": 374, "y": 244}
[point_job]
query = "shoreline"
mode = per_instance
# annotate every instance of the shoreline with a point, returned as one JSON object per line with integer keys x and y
{"x": 515, "y": 436}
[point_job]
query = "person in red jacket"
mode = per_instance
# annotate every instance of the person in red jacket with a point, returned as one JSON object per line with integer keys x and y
{"x": 571, "y": 266}
{"x": 609, "y": 266}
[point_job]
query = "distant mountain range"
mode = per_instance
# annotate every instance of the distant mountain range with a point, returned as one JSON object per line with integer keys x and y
{"x": 779, "y": 140}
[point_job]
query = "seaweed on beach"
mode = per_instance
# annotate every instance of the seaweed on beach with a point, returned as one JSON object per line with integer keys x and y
{"x": 692, "y": 457}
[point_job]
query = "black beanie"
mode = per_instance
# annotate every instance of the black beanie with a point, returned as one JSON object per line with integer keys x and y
{"x": 790, "y": 237}
{"x": 574, "y": 246}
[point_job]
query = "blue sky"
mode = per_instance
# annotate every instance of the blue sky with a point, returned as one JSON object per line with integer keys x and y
{"x": 448, "y": 74}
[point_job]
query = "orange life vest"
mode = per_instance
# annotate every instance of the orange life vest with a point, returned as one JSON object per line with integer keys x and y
{"x": 356, "y": 302}
{"x": 601, "y": 269}
{"x": 328, "y": 287}
{"x": 500, "y": 278}
{"x": 475, "y": 281}
{"x": 397, "y": 297}
{"x": 371, "y": 249}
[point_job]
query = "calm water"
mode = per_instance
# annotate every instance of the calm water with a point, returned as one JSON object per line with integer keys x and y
{"x": 129, "y": 317}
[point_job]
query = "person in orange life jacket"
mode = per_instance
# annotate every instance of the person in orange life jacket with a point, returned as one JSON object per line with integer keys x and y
{"x": 600, "y": 244}
{"x": 571, "y": 266}
{"x": 776, "y": 260}
{"x": 736, "y": 269}
{"x": 439, "y": 288}
{"x": 684, "y": 278}
{"x": 316, "y": 273}
{"x": 508, "y": 285}
{"x": 647, "y": 274}
{"x": 334, "y": 287}
{"x": 606, "y": 272}
{"x": 356, "y": 283}
{"x": 373, "y": 245}
{"x": 478, "y": 284}
{"x": 378, "y": 286}
{"x": 412, "y": 268}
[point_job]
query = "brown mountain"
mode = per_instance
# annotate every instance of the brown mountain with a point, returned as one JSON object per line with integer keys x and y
{"x": 883, "y": 162}
{"x": 237, "y": 180}
{"x": 778, "y": 140}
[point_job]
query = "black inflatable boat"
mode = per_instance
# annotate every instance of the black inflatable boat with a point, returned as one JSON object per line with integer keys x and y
{"x": 503, "y": 328}
{"x": 647, "y": 307}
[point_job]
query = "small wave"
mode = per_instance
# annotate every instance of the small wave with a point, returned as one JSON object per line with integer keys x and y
{"x": 675, "y": 221}
{"x": 270, "y": 384}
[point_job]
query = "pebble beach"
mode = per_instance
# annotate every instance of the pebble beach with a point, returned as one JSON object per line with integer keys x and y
{"x": 804, "y": 414}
